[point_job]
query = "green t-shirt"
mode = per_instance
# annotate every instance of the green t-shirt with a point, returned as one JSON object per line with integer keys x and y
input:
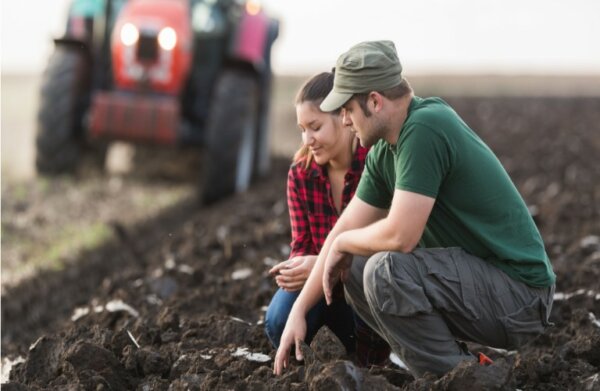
{"x": 477, "y": 206}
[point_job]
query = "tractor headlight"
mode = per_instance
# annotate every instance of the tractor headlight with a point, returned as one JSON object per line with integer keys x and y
{"x": 129, "y": 34}
{"x": 167, "y": 38}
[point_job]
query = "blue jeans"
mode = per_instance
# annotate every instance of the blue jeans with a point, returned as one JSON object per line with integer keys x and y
{"x": 339, "y": 317}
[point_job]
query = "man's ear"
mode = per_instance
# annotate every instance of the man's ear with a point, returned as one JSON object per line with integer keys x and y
{"x": 376, "y": 101}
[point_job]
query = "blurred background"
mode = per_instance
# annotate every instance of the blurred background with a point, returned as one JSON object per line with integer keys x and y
{"x": 432, "y": 36}
{"x": 552, "y": 40}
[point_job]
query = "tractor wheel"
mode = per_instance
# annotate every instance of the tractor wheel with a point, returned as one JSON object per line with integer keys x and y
{"x": 231, "y": 135}
{"x": 65, "y": 88}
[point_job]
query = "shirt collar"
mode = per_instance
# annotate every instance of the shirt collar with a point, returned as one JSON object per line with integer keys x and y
{"x": 356, "y": 166}
{"x": 413, "y": 103}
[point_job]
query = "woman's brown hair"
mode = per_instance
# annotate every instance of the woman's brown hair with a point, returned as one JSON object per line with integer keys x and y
{"x": 314, "y": 91}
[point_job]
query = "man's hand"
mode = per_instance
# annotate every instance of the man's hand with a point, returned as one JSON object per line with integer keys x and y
{"x": 293, "y": 334}
{"x": 291, "y": 275}
{"x": 337, "y": 267}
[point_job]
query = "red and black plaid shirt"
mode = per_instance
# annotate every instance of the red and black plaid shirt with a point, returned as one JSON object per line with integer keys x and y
{"x": 312, "y": 216}
{"x": 310, "y": 202}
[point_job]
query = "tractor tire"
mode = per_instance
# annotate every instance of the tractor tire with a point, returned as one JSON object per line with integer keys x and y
{"x": 230, "y": 136}
{"x": 65, "y": 87}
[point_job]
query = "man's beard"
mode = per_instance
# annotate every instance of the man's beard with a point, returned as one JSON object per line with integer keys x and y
{"x": 376, "y": 131}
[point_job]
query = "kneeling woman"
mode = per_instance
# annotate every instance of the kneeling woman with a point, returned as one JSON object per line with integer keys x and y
{"x": 321, "y": 182}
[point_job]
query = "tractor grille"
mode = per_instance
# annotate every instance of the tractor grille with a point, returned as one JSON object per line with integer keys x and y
{"x": 137, "y": 118}
{"x": 147, "y": 49}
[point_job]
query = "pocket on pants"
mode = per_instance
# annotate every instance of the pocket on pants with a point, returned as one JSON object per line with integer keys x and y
{"x": 396, "y": 294}
{"x": 450, "y": 287}
{"x": 442, "y": 267}
{"x": 524, "y": 324}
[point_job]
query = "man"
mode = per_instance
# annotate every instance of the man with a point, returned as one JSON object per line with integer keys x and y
{"x": 437, "y": 246}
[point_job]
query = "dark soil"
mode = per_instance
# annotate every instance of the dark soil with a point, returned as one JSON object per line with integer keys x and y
{"x": 187, "y": 314}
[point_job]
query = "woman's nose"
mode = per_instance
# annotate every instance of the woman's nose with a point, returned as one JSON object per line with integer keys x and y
{"x": 308, "y": 138}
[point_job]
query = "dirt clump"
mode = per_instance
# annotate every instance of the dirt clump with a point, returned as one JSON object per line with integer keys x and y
{"x": 177, "y": 303}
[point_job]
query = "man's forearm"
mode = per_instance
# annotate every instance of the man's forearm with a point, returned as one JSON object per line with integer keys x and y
{"x": 372, "y": 239}
{"x": 357, "y": 214}
{"x": 312, "y": 291}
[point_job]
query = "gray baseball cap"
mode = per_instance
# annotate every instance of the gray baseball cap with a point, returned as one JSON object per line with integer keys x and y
{"x": 365, "y": 67}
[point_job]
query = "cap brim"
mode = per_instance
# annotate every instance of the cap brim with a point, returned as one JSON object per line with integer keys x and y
{"x": 334, "y": 101}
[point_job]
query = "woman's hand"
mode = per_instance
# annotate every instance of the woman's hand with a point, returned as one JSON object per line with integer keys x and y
{"x": 291, "y": 275}
{"x": 293, "y": 334}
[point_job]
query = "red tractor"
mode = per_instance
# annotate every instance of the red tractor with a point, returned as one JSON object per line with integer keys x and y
{"x": 163, "y": 72}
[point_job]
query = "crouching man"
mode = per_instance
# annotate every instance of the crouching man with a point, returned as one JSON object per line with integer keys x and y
{"x": 437, "y": 246}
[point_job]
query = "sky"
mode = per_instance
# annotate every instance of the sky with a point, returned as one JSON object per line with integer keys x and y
{"x": 431, "y": 36}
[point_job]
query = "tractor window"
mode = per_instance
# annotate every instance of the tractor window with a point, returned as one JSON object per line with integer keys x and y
{"x": 208, "y": 18}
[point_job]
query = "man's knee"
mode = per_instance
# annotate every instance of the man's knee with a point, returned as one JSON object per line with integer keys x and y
{"x": 353, "y": 285}
{"x": 372, "y": 273}
{"x": 392, "y": 284}
{"x": 386, "y": 264}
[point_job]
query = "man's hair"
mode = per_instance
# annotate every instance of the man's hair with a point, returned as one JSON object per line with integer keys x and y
{"x": 393, "y": 93}
{"x": 314, "y": 91}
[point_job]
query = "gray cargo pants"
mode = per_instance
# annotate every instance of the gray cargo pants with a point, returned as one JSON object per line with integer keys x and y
{"x": 422, "y": 302}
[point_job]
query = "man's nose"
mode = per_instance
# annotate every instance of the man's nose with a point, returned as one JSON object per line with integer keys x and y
{"x": 346, "y": 119}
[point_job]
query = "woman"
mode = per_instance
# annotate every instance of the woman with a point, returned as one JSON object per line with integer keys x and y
{"x": 321, "y": 182}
